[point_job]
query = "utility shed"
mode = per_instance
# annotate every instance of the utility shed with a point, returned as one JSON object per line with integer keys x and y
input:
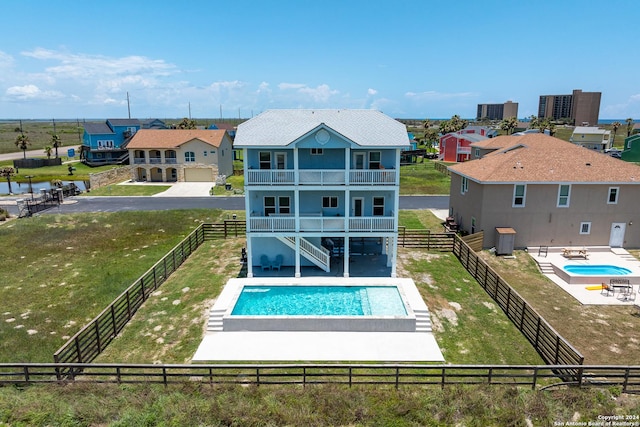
{"x": 505, "y": 239}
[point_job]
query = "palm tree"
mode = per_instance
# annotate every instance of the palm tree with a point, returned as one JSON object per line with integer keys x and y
{"x": 534, "y": 122}
{"x": 56, "y": 142}
{"x": 509, "y": 125}
{"x": 48, "y": 150}
{"x": 8, "y": 172}
{"x": 22, "y": 142}
{"x": 629, "y": 126}
{"x": 614, "y": 126}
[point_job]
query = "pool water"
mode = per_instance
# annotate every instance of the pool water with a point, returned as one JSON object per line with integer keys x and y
{"x": 319, "y": 301}
{"x": 597, "y": 270}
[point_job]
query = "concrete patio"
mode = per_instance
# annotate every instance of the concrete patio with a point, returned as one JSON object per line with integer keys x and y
{"x": 600, "y": 255}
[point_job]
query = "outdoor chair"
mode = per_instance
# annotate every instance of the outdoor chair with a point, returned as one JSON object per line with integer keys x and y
{"x": 607, "y": 289}
{"x": 264, "y": 262}
{"x": 277, "y": 263}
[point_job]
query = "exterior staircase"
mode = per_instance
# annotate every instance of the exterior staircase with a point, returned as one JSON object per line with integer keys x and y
{"x": 423, "y": 321}
{"x": 215, "y": 320}
{"x": 317, "y": 255}
{"x": 546, "y": 268}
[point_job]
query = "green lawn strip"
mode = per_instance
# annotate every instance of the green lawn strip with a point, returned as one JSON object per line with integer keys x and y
{"x": 317, "y": 405}
{"x": 469, "y": 326}
{"x": 603, "y": 334}
{"x": 169, "y": 326}
{"x": 60, "y": 271}
{"x": 422, "y": 178}
{"x": 127, "y": 190}
{"x": 61, "y": 172}
{"x": 237, "y": 186}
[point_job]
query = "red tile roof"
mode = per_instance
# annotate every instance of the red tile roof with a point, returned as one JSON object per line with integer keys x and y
{"x": 541, "y": 158}
{"x": 173, "y": 138}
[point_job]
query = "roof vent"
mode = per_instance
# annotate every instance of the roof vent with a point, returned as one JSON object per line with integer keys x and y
{"x": 588, "y": 164}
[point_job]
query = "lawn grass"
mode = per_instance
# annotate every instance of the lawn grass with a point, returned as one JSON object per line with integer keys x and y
{"x": 61, "y": 172}
{"x": 237, "y": 186}
{"x": 127, "y": 190}
{"x": 422, "y": 178}
{"x": 59, "y": 271}
{"x": 39, "y": 133}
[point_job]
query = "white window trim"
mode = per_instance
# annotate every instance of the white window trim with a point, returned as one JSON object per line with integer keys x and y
{"x": 615, "y": 202}
{"x": 568, "y": 196}
{"x": 477, "y": 153}
{"x": 317, "y": 151}
{"x": 374, "y": 206}
{"x": 189, "y": 156}
{"x": 464, "y": 185}
{"x": 588, "y": 225}
{"x": 260, "y": 161}
{"x": 524, "y": 196}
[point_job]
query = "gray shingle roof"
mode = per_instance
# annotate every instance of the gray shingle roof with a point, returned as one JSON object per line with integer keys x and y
{"x": 97, "y": 128}
{"x": 282, "y": 127}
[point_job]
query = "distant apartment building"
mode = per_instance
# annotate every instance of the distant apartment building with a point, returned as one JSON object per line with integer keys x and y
{"x": 581, "y": 108}
{"x": 497, "y": 111}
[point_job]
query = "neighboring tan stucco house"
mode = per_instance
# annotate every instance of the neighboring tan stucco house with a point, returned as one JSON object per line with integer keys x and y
{"x": 171, "y": 155}
{"x": 551, "y": 192}
{"x": 591, "y": 137}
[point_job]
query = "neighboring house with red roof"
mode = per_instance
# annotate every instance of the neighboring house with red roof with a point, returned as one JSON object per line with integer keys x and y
{"x": 172, "y": 155}
{"x": 551, "y": 192}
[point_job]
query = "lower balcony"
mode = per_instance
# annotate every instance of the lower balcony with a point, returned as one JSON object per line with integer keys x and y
{"x": 279, "y": 223}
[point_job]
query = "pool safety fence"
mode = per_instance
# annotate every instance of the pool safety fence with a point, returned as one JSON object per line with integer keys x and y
{"x": 541, "y": 377}
{"x": 550, "y": 345}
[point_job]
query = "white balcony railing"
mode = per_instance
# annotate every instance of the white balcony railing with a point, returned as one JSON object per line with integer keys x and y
{"x": 373, "y": 176}
{"x": 139, "y": 161}
{"x": 321, "y": 177}
{"x": 321, "y": 224}
{"x": 155, "y": 160}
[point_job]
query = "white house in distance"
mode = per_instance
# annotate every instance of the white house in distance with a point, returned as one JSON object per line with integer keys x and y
{"x": 321, "y": 186}
{"x": 591, "y": 137}
{"x": 183, "y": 155}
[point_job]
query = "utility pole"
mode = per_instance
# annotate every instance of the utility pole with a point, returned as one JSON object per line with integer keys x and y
{"x": 54, "y": 126}
{"x": 189, "y": 110}
{"x": 128, "y": 105}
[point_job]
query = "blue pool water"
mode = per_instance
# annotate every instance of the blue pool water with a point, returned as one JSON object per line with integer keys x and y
{"x": 597, "y": 270}
{"x": 319, "y": 301}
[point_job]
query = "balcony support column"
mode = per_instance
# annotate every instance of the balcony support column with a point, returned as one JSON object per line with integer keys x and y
{"x": 297, "y": 272}
{"x": 345, "y": 260}
{"x": 249, "y": 258}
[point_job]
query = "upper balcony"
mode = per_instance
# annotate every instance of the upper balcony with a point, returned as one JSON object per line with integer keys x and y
{"x": 318, "y": 223}
{"x": 321, "y": 177}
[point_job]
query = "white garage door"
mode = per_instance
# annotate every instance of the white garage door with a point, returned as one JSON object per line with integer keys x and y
{"x": 198, "y": 175}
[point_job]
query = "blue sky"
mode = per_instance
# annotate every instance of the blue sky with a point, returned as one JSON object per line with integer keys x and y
{"x": 407, "y": 58}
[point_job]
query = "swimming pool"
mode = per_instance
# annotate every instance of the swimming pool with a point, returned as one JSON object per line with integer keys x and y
{"x": 597, "y": 270}
{"x": 319, "y": 301}
{"x": 326, "y": 305}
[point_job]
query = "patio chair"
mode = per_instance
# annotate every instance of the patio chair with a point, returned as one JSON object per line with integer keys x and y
{"x": 277, "y": 263}
{"x": 264, "y": 262}
{"x": 606, "y": 289}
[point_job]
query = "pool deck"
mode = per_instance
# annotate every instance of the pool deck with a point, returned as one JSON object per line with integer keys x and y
{"x": 319, "y": 346}
{"x": 618, "y": 257}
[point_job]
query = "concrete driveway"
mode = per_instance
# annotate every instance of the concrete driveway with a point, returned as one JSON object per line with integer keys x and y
{"x": 187, "y": 189}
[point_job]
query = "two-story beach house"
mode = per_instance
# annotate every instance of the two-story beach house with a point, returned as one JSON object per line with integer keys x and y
{"x": 102, "y": 142}
{"x": 591, "y": 137}
{"x": 321, "y": 186}
{"x": 549, "y": 191}
{"x": 182, "y": 155}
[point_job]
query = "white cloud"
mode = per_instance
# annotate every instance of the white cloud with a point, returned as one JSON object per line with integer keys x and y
{"x": 31, "y": 92}
{"x": 372, "y": 92}
{"x": 435, "y": 96}
{"x": 287, "y": 86}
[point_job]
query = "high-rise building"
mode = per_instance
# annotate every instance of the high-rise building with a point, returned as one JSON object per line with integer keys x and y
{"x": 581, "y": 108}
{"x": 497, "y": 111}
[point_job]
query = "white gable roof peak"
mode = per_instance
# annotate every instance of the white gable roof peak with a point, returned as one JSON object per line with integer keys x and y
{"x": 282, "y": 127}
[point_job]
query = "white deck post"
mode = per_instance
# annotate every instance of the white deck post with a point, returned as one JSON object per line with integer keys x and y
{"x": 249, "y": 258}
{"x": 345, "y": 260}
{"x": 297, "y": 273}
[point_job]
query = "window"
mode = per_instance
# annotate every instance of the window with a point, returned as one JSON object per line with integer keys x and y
{"x": 464, "y": 185}
{"x": 284, "y": 205}
{"x": 205, "y": 153}
{"x": 265, "y": 160}
{"x": 585, "y": 228}
{"x": 378, "y": 206}
{"x": 189, "y": 156}
{"x": 281, "y": 160}
{"x": 317, "y": 151}
{"x": 477, "y": 153}
{"x": 613, "y": 195}
{"x": 329, "y": 201}
{"x": 374, "y": 160}
{"x": 269, "y": 205}
{"x": 519, "y": 195}
{"x": 564, "y": 191}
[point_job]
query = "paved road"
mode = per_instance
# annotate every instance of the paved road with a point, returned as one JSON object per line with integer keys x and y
{"x": 115, "y": 204}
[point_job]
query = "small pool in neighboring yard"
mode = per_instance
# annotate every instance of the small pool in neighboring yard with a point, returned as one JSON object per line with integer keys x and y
{"x": 597, "y": 270}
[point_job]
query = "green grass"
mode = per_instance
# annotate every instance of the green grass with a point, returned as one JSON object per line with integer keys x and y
{"x": 422, "y": 178}
{"x": 39, "y": 134}
{"x": 59, "y": 271}
{"x": 49, "y": 173}
{"x": 127, "y": 190}
{"x": 237, "y": 186}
